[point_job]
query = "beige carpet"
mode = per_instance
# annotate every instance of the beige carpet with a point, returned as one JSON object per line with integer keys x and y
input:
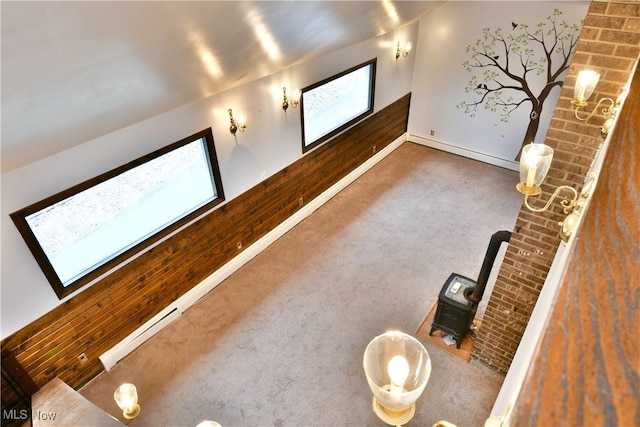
{"x": 280, "y": 342}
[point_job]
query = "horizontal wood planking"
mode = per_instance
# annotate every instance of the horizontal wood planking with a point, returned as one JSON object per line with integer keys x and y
{"x": 98, "y": 318}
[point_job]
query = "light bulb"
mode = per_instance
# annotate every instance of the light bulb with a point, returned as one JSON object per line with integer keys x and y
{"x": 531, "y": 160}
{"x": 585, "y": 84}
{"x": 398, "y": 370}
{"x": 407, "y": 48}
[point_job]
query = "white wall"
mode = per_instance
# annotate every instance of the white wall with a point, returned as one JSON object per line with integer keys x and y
{"x": 271, "y": 142}
{"x": 440, "y": 78}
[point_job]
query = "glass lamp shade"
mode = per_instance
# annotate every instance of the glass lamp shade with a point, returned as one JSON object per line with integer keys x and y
{"x": 242, "y": 121}
{"x": 535, "y": 161}
{"x": 296, "y": 96}
{"x": 407, "y": 48}
{"x": 608, "y": 125}
{"x": 126, "y": 396}
{"x": 397, "y": 367}
{"x": 585, "y": 84}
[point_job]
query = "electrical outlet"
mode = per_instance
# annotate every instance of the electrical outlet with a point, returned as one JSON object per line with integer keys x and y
{"x": 83, "y": 358}
{"x": 239, "y": 245}
{"x": 433, "y": 132}
{"x": 301, "y": 201}
{"x": 374, "y": 149}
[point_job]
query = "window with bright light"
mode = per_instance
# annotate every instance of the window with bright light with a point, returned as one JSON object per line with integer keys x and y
{"x": 334, "y": 104}
{"x": 82, "y": 232}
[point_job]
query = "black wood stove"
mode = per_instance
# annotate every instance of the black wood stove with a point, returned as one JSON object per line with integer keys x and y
{"x": 459, "y": 297}
{"x": 455, "y": 311}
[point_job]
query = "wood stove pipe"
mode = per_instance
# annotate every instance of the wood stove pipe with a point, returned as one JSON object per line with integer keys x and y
{"x": 489, "y": 258}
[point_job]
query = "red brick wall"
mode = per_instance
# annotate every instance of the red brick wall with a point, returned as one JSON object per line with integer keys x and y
{"x": 601, "y": 274}
{"x": 610, "y": 44}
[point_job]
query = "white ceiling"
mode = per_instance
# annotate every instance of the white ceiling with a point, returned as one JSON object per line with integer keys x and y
{"x": 74, "y": 71}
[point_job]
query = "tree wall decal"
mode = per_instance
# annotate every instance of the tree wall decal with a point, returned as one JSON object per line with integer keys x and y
{"x": 509, "y": 69}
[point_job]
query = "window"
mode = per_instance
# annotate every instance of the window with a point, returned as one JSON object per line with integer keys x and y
{"x": 332, "y": 105}
{"x": 82, "y": 232}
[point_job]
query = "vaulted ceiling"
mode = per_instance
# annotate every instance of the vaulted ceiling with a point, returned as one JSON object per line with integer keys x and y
{"x": 74, "y": 71}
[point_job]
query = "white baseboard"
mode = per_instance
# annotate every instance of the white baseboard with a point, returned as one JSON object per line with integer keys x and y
{"x": 175, "y": 309}
{"x": 139, "y": 336}
{"x": 464, "y": 152}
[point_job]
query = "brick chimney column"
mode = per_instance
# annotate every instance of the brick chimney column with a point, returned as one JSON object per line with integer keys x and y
{"x": 610, "y": 44}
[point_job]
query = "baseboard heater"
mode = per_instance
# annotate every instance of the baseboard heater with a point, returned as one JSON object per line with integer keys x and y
{"x": 139, "y": 336}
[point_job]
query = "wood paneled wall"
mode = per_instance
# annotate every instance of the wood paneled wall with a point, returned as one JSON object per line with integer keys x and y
{"x": 587, "y": 368}
{"x": 98, "y": 318}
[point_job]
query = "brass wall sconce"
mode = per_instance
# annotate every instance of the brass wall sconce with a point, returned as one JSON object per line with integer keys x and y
{"x": 126, "y": 396}
{"x": 293, "y": 100}
{"x": 585, "y": 84}
{"x": 534, "y": 166}
{"x": 403, "y": 52}
{"x": 239, "y": 124}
